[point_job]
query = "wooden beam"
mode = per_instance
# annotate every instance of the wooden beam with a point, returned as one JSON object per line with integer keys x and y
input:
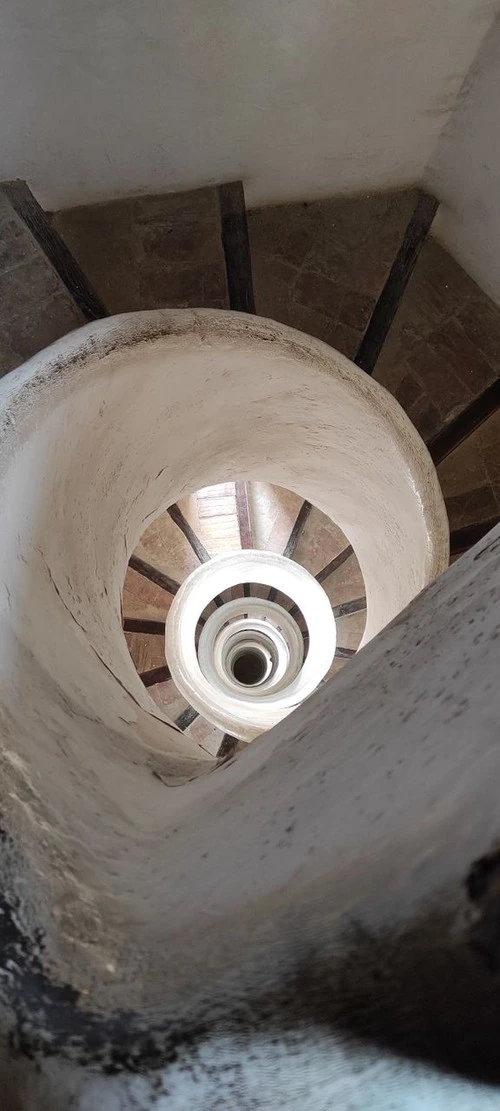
{"x": 297, "y": 530}
{"x": 243, "y": 515}
{"x": 186, "y": 718}
{"x": 142, "y": 625}
{"x": 228, "y": 747}
{"x": 54, "y": 248}
{"x": 397, "y": 281}
{"x": 461, "y": 539}
{"x": 179, "y": 519}
{"x": 345, "y": 609}
{"x": 155, "y": 675}
{"x": 153, "y": 574}
{"x": 244, "y": 523}
{"x": 334, "y": 564}
{"x": 193, "y": 539}
{"x": 236, "y": 246}
{"x": 465, "y": 423}
{"x": 293, "y": 539}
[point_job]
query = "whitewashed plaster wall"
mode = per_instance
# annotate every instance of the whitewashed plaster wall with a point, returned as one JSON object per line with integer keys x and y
{"x": 383, "y": 1001}
{"x": 300, "y": 98}
{"x": 465, "y": 172}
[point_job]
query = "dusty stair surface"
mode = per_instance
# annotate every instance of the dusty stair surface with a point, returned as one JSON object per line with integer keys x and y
{"x": 328, "y": 268}
{"x": 36, "y": 307}
{"x": 320, "y": 267}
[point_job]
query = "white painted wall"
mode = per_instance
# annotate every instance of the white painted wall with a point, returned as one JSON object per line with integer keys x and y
{"x": 102, "y": 98}
{"x": 465, "y": 172}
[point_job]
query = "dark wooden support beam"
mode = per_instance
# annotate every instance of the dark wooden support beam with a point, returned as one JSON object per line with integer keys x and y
{"x": 199, "y": 549}
{"x": 466, "y": 423}
{"x": 243, "y": 515}
{"x": 461, "y": 539}
{"x": 298, "y": 528}
{"x": 236, "y": 246}
{"x": 293, "y": 539}
{"x": 334, "y": 564}
{"x": 179, "y": 519}
{"x": 344, "y": 609}
{"x": 186, "y": 718}
{"x": 155, "y": 675}
{"x": 244, "y": 523}
{"x": 397, "y": 281}
{"x": 142, "y": 625}
{"x": 344, "y": 653}
{"x": 228, "y": 747}
{"x": 54, "y": 248}
{"x": 153, "y": 574}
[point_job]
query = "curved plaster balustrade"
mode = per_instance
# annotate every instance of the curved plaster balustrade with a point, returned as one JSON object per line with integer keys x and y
{"x": 107, "y": 804}
{"x": 253, "y": 629}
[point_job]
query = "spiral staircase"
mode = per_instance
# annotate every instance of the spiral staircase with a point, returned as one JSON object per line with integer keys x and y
{"x": 207, "y": 515}
{"x": 230, "y": 518}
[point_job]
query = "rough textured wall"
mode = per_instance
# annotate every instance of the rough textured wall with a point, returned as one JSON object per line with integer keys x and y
{"x": 465, "y": 170}
{"x": 299, "y": 98}
{"x": 382, "y": 990}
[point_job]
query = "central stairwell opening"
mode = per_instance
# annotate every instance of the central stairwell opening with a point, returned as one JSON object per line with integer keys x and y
{"x": 218, "y": 520}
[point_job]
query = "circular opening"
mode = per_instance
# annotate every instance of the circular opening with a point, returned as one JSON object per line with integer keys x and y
{"x": 249, "y": 667}
{"x": 251, "y": 656}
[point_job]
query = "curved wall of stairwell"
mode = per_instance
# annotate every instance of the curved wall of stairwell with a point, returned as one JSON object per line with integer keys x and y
{"x": 99, "y": 434}
{"x": 177, "y": 96}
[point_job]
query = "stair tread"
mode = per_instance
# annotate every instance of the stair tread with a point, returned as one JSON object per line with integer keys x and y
{"x": 273, "y": 512}
{"x": 166, "y": 548}
{"x": 152, "y": 251}
{"x": 35, "y": 306}
{"x": 320, "y": 542}
{"x": 146, "y": 651}
{"x": 213, "y": 517}
{"x": 142, "y": 598}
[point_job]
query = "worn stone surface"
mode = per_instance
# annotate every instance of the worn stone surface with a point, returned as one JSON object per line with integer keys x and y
{"x": 143, "y": 598}
{"x": 320, "y": 267}
{"x": 150, "y": 252}
{"x": 470, "y": 476}
{"x": 146, "y": 652}
{"x": 319, "y": 542}
{"x": 35, "y": 306}
{"x": 165, "y": 547}
{"x": 442, "y": 350}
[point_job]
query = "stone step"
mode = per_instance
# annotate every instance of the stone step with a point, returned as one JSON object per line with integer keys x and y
{"x": 36, "y": 307}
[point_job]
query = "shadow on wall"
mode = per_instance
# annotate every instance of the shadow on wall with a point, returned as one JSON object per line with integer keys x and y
{"x": 428, "y": 992}
{"x": 418, "y": 995}
{"x": 11, "y": 1097}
